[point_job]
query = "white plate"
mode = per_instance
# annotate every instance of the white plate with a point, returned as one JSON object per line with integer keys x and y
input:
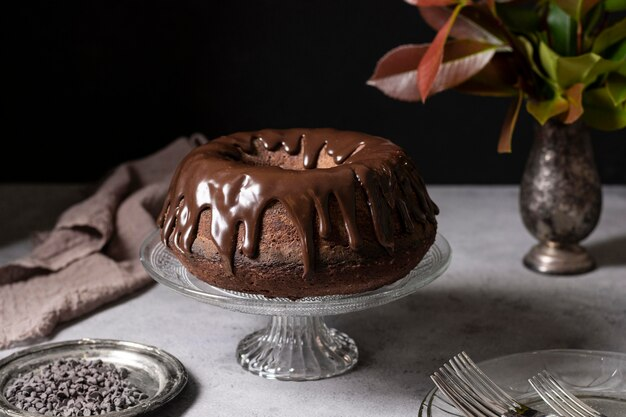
{"x": 597, "y": 378}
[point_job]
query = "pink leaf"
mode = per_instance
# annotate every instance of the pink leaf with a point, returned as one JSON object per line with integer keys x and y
{"x": 396, "y": 76}
{"x": 395, "y": 73}
{"x": 431, "y": 3}
{"x": 463, "y": 28}
{"x": 574, "y": 95}
{"x": 462, "y": 59}
{"x": 496, "y": 79}
{"x": 431, "y": 61}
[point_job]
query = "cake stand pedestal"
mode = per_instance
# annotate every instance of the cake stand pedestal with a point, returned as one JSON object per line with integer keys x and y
{"x": 296, "y": 345}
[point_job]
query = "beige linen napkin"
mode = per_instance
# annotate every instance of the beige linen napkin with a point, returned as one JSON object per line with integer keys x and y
{"x": 91, "y": 257}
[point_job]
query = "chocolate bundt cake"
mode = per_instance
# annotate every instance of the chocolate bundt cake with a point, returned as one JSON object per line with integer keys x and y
{"x": 299, "y": 212}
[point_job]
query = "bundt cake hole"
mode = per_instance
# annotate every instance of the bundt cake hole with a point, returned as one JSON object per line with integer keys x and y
{"x": 261, "y": 156}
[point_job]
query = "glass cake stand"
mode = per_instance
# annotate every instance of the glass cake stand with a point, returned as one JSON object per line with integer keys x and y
{"x": 296, "y": 345}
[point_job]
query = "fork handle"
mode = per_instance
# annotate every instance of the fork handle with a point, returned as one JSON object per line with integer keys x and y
{"x": 528, "y": 413}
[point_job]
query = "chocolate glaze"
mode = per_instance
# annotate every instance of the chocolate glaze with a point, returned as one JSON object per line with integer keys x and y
{"x": 215, "y": 177}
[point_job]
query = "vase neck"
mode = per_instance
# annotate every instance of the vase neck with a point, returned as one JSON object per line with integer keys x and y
{"x": 554, "y": 130}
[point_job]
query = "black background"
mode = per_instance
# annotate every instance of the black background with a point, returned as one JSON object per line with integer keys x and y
{"x": 123, "y": 78}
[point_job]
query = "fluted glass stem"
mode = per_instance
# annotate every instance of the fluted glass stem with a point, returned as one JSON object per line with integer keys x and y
{"x": 297, "y": 348}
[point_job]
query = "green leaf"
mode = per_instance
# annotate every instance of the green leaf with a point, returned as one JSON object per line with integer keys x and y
{"x": 615, "y": 5}
{"x": 602, "y": 67}
{"x": 527, "y": 49}
{"x": 572, "y": 70}
{"x": 543, "y": 110}
{"x": 548, "y": 60}
{"x": 618, "y": 52}
{"x": 590, "y": 26}
{"x": 576, "y": 8}
{"x": 616, "y": 87}
{"x": 610, "y": 36}
{"x": 567, "y": 71}
{"x": 519, "y": 18}
{"x": 562, "y": 31}
{"x": 600, "y": 112}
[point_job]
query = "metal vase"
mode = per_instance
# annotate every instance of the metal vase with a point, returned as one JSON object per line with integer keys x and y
{"x": 560, "y": 198}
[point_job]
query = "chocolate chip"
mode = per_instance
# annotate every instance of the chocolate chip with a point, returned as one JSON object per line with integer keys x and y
{"x": 74, "y": 388}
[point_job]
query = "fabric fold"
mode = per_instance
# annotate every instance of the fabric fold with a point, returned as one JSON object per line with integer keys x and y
{"x": 91, "y": 257}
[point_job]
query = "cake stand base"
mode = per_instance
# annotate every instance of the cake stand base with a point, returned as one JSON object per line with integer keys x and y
{"x": 297, "y": 348}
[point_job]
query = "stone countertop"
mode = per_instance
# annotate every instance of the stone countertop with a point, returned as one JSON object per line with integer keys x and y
{"x": 487, "y": 304}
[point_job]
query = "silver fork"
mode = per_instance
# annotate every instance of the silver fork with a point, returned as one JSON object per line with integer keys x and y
{"x": 559, "y": 399}
{"x": 473, "y": 393}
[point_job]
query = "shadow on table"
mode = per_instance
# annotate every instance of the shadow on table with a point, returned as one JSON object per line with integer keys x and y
{"x": 124, "y": 299}
{"x": 609, "y": 252}
{"x": 179, "y": 405}
{"x": 404, "y": 342}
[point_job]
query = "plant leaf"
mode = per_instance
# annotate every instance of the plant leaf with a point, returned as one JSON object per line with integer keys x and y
{"x": 527, "y": 49}
{"x": 431, "y": 3}
{"x": 542, "y": 110}
{"x": 618, "y": 53}
{"x": 567, "y": 71}
{"x": 575, "y": 69}
{"x": 574, "y": 96}
{"x": 601, "y": 113}
{"x": 610, "y": 36}
{"x": 510, "y": 120}
{"x": 463, "y": 28}
{"x": 602, "y": 67}
{"x": 548, "y": 60}
{"x": 519, "y": 18}
{"x": 616, "y": 87}
{"x": 591, "y": 23}
{"x": 562, "y": 30}
{"x": 396, "y": 74}
{"x": 496, "y": 79}
{"x": 430, "y": 63}
{"x": 615, "y": 5}
{"x": 577, "y": 9}
{"x": 462, "y": 59}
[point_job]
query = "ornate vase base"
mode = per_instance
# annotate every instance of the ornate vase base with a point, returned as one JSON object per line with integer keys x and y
{"x": 559, "y": 259}
{"x": 293, "y": 348}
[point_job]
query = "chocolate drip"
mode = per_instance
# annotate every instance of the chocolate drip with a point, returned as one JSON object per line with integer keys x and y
{"x": 215, "y": 177}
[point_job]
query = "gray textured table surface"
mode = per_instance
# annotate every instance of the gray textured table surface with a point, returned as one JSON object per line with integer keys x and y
{"x": 486, "y": 304}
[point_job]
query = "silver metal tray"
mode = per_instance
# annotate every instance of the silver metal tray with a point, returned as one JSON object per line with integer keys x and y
{"x": 157, "y": 373}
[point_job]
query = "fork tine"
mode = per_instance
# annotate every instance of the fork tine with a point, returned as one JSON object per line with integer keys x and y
{"x": 457, "y": 398}
{"x": 488, "y": 407}
{"x": 547, "y": 396}
{"x": 468, "y": 376}
{"x": 552, "y": 382}
{"x": 458, "y": 402}
{"x": 491, "y": 389}
{"x": 564, "y": 401}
